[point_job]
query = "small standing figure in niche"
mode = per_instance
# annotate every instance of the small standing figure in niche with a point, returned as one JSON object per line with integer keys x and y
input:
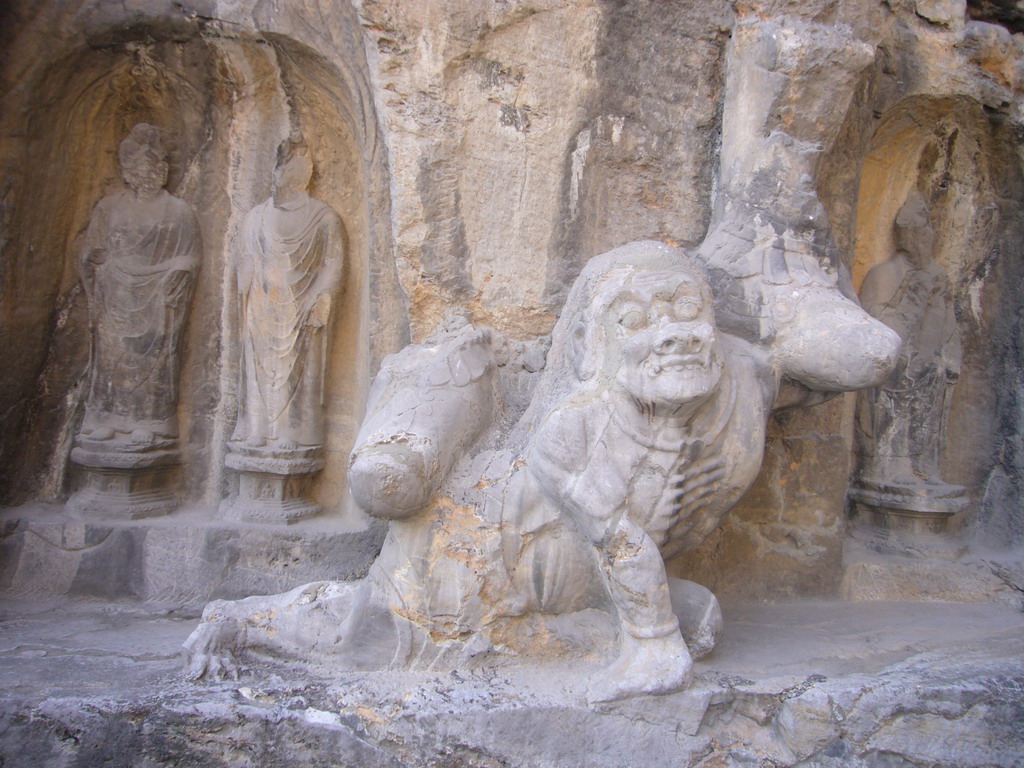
{"x": 901, "y": 425}
{"x": 289, "y": 266}
{"x": 137, "y": 265}
{"x": 140, "y": 254}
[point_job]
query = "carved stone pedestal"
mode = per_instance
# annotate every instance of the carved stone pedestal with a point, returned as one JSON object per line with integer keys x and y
{"x": 273, "y": 486}
{"x": 916, "y": 508}
{"x": 123, "y": 484}
{"x": 907, "y": 518}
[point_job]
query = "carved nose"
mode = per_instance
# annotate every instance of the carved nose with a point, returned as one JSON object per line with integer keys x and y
{"x": 679, "y": 340}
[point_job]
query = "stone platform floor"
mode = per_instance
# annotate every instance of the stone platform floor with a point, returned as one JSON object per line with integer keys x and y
{"x": 887, "y": 685}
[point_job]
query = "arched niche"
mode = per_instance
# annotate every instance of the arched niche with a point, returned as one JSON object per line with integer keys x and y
{"x": 84, "y": 104}
{"x": 962, "y": 157}
{"x": 223, "y": 105}
{"x": 292, "y": 89}
{"x": 946, "y": 148}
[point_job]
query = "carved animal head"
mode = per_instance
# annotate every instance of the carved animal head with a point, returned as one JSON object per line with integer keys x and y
{"x": 143, "y": 159}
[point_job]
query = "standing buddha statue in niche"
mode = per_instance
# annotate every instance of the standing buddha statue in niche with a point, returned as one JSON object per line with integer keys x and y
{"x": 901, "y": 425}
{"x": 137, "y": 265}
{"x": 289, "y": 266}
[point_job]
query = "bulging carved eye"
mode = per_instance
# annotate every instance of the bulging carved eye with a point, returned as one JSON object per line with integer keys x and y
{"x": 632, "y": 319}
{"x": 687, "y": 309}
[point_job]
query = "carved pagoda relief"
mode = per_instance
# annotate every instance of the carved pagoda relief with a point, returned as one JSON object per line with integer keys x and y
{"x": 901, "y": 424}
{"x": 137, "y": 265}
{"x": 288, "y": 264}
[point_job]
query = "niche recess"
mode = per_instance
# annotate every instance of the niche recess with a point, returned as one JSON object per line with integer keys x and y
{"x": 222, "y": 105}
{"x": 962, "y": 158}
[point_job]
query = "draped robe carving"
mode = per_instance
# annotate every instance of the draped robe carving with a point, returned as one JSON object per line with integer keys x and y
{"x": 901, "y": 424}
{"x": 137, "y": 266}
{"x": 289, "y": 263}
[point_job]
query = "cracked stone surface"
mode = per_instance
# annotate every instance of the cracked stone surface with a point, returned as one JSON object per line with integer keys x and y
{"x": 812, "y": 684}
{"x": 480, "y": 152}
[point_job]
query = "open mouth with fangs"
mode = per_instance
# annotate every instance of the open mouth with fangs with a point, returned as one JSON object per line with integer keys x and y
{"x": 677, "y": 363}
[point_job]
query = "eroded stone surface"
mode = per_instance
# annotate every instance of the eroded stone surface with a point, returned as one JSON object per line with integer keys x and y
{"x": 137, "y": 265}
{"x": 819, "y": 684}
{"x": 179, "y": 562}
{"x": 645, "y": 428}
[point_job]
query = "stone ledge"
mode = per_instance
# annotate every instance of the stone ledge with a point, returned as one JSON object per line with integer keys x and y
{"x": 945, "y": 576}
{"x": 815, "y": 684}
{"x": 183, "y": 560}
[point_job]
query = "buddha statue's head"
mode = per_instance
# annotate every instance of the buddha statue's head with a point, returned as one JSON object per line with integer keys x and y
{"x": 143, "y": 160}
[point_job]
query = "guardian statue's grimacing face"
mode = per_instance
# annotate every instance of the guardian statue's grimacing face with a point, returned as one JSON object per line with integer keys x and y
{"x": 661, "y": 330}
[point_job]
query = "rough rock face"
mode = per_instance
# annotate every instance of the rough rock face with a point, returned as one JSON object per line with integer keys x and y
{"x": 480, "y": 153}
{"x": 813, "y": 684}
{"x": 1009, "y": 13}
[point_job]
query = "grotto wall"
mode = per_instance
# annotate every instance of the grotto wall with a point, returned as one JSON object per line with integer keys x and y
{"x": 479, "y": 159}
{"x": 224, "y": 94}
{"x": 479, "y": 155}
{"x": 224, "y": 101}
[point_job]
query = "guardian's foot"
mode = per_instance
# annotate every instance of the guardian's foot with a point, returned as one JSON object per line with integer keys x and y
{"x": 208, "y": 651}
{"x": 645, "y": 666}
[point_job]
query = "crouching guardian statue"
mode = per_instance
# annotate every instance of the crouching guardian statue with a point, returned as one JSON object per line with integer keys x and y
{"x": 548, "y": 540}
